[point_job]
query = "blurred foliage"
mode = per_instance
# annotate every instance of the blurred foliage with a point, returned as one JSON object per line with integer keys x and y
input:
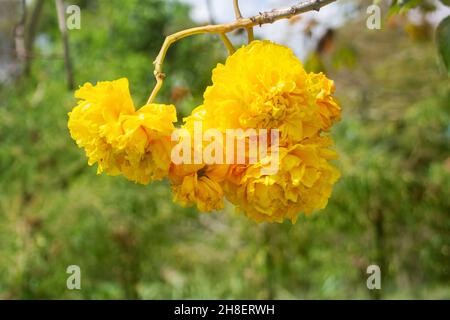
{"x": 443, "y": 41}
{"x": 402, "y": 6}
{"x": 391, "y": 207}
{"x": 426, "y": 6}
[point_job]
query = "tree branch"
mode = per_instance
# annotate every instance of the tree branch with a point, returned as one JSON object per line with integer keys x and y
{"x": 227, "y": 43}
{"x": 240, "y": 23}
{"x": 210, "y": 12}
{"x": 238, "y": 14}
{"x": 237, "y": 11}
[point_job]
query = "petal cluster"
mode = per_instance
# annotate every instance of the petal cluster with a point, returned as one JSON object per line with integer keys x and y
{"x": 118, "y": 138}
{"x": 303, "y": 183}
{"x": 199, "y": 185}
{"x": 264, "y": 85}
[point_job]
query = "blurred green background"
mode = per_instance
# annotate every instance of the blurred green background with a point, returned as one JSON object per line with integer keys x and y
{"x": 390, "y": 208}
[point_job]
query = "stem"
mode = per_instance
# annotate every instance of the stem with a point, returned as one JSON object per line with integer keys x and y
{"x": 238, "y": 14}
{"x": 227, "y": 43}
{"x": 241, "y": 23}
{"x": 159, "y": 82}
{"x": 250, "y": 35}
{"x": 237, "y": 11}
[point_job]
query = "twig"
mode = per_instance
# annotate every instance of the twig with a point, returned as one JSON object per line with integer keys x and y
{"x": 238, "y": 15}
{"x": 227, "y": 43}
{"x": 237, "y": 11}
{"x": 242, "y": 23}
{"x": 250, "y": 35}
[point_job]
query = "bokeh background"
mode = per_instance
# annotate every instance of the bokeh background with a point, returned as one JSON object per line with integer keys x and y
{"x": 391, "y": 207}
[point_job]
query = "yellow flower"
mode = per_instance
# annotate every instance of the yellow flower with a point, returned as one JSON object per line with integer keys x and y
{"x": 264, "y": 85}
{"x": 99, "y": 108}
{"x": 303, "y": 183}
{"x": 146, "y": 143}
{"x": 198, "y": 185}
{"x": 323, "y": 88}
{"x": 118, "y": 138}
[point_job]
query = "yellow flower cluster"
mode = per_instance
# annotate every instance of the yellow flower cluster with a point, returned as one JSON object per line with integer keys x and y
{"x": 303, "y": 183}
{"x": 118, "y": 138}
{"x": 264, "y": 86}
{"x": 261, "y": 86}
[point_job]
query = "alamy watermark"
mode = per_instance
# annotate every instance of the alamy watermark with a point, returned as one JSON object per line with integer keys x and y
{"x": 373, "y": 22}
{"x": 73, "y": 282}
{"x": 234, "y": 146}
{"x": 73, "y": 20}
{"x": 374, "y": 280}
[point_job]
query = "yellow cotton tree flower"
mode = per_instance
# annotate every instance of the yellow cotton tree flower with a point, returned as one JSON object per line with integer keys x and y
{"x": 98, "y": 109}
{"x": 303, "y": 183}
{"x": 118, "y": 138}
{"x": 264, "y": 85}
{"x": 198, "y": 185}
{"x": 322, "y": 89}
{"x": 146, "y": 143}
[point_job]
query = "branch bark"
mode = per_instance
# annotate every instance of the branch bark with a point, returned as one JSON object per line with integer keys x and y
{"x": 240, "y": 23}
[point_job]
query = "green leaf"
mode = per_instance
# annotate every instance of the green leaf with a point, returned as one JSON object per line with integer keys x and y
{"x": 446, "y": 2}
{"x": 443, "y": 42}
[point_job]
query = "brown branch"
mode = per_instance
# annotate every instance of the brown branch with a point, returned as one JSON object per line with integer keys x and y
{"x": 286, "y": 13}
{"x": 238, "y": 15}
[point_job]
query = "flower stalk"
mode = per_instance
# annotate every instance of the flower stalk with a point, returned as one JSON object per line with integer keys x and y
{"x": 227, "y": 43}
{"x": 237, "y": 11}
